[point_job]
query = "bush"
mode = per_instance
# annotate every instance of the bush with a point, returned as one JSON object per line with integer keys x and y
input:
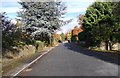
{"x": 73, "y": 39}
{"x": 39, "y": 45}
{"x": 82, "y": 36}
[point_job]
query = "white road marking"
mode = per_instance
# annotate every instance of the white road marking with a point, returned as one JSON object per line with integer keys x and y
{"x": 32, "y": 62}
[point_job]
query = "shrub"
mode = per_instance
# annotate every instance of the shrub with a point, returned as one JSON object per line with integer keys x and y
{"x": 39, "y": 45}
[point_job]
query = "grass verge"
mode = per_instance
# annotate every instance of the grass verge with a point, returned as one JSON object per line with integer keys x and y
{"x": 9, "y": 64}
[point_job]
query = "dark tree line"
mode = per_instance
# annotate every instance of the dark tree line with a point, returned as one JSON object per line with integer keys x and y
{"x": 101, "y": 23}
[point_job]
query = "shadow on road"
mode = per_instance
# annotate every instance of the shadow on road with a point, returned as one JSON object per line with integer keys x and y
{"x": 107, "y": 57}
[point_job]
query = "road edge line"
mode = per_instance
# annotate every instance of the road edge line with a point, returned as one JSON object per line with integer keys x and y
{"x": 32, "y": 62}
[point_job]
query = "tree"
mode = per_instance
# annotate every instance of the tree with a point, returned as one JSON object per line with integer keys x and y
{"x": 116, "y": 13}
{"x": 62, "y": 36}
{"x": 81, "y": 36}
{"x": 11, "y": 34}
{"x": 75, "y": 32}
{"x": 100, "y": 24}
{"x": 41, "y": 19}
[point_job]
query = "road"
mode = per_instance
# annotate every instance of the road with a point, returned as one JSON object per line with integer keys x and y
{"x": 71, "y": 60}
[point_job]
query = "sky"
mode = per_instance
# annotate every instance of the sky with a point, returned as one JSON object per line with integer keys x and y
{"x": 74, "y": 9}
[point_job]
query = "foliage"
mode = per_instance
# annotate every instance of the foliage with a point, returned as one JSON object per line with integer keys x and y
{"x": 75, "y": 33}
{"x": 11, "y": 34}
{"x": 82, "y": 36}
{"x": 39, "y": 45}
{"x": 73, "y": 39}
{"x": 68, "y": 35}
{"x": 41, "y": 19}
{"x": 62, "y": 36}
{"x": 101, "y": 24}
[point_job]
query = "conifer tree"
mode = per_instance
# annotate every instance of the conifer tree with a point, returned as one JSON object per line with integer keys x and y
{"x": 42, "y": 18}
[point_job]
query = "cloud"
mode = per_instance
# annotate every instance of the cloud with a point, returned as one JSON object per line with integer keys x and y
{"x": 78, "y": 1}
{"x": 10, "y": 9}
{"x": 76, "y": 10}
{"x": 75, "y": 7}
{"x": 66, "y": 18}
{"x": 49, "y": 0}
{"x": 10, "y": 0}
{"x": 69, "y": 26}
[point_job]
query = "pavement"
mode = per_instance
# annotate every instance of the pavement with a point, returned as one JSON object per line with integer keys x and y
{"x": 71, "y": 60}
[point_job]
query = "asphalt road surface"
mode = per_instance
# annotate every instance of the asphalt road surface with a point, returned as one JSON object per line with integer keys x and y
{"x": 71, "y": 60}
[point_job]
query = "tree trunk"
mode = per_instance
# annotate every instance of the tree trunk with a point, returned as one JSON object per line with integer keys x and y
{"x": 110, "y": 46}
{"x": 106, "y": 45}
{"x": 50, "y": 41}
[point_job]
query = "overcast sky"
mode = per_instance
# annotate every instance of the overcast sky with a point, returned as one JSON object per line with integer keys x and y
{"x": 74, "y": 8}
